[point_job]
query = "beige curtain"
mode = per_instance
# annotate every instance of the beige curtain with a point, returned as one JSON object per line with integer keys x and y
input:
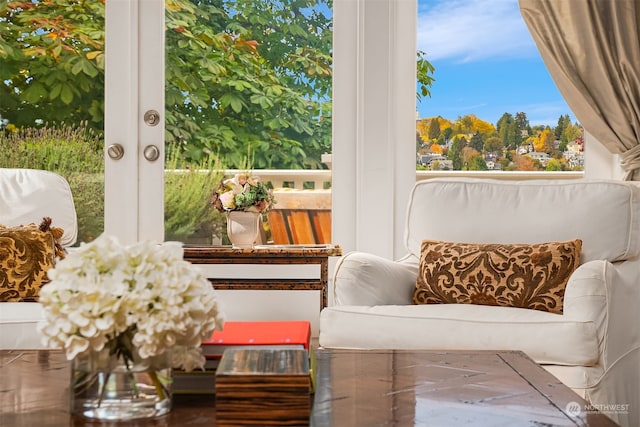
{"x": 592, "y": 50}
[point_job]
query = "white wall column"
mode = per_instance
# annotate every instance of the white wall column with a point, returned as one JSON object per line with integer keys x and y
{"x": 600, "y": 163}
{"x": 374, "y": 123}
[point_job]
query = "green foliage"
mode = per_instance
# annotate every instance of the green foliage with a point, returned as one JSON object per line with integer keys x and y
{"x": 239, "y": 74}
{"x": 64, "y": 149}
{"x": 425, "y": 71}
{"x": 88, "y": 196}
{"x": 187, "y": 193}
{"x": 477, "y": 142}
{"x": 554, "y": 165}
{"x": 434, "y": 130}
{"x": 52, "y": 62}
{"x": 455, "y": 152}
{"x": 478, "y": 164}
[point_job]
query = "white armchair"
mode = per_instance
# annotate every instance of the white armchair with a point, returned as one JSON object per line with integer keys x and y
{"x": 593, "y": 346}
{"x": 26, "y": 196}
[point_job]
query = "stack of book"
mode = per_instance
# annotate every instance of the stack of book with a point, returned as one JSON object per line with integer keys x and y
{"x": 263, "y": 386}
{"x": 290, "y": 334}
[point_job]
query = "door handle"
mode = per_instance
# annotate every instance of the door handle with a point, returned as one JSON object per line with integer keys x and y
{"x": 115, "y": 151}
{"x": 151, "y": 153}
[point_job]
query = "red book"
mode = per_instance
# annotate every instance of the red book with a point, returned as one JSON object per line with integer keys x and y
{"x": 258, "y": 333}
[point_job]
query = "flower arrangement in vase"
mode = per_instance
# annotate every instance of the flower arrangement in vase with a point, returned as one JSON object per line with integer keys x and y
{"x": 125, "y": 316}
{"x": 243, "y": 198}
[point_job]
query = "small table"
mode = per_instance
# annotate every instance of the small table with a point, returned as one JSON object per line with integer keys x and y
{"x": 268, "y": 254}
{"x": 371, "y": 388}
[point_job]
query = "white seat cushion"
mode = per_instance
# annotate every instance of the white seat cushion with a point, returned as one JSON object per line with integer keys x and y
{"x": 19, "y": 322}
{"x": 545, "y": 337}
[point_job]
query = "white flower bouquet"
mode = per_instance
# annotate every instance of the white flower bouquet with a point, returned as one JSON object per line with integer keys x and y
{"x": 142, "y": 302}
{"x": 243, "y": 192}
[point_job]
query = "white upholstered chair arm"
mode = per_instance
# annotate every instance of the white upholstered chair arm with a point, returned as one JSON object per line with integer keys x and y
{"x": 366, "y": 279}
{"x": 586, "y": 298}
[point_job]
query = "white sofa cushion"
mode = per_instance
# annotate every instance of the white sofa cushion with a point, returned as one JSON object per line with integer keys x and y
{"x": 482, "y": 211}
{"x": 19, "y": 321}
{"x": 461, "y": 327}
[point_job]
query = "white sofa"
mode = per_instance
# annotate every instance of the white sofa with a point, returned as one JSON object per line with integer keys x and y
{"x": 26, "y": 196}
{"x": 593, "y": 347}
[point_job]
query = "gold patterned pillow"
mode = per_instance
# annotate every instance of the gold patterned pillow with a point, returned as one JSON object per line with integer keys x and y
{"x": 512, "y": 275}
{"x": 27, "y": 252}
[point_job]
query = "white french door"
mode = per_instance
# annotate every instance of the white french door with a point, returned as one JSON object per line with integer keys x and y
{"x": 134, "y": 120}
{"x": 373, "y": 135}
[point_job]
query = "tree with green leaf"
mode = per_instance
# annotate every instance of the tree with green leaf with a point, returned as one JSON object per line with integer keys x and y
{"x": 243, "y": 75}
{"x": 52, "y": 62}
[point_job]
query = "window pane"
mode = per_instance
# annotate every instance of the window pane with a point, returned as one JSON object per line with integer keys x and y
{"x": 52, "y": 97}
{"x": 248, "y": 86}
{"x": 493, "y": 105}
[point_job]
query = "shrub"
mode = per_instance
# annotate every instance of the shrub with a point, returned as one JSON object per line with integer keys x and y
{"x": 72, "y": 151}
{"x": 189, "y": 215}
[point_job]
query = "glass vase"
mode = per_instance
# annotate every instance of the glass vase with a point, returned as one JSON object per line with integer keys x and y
{"x": 103, "y": 387}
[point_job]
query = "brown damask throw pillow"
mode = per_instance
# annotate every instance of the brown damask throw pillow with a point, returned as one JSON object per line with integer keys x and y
{"x": 27, "y": 252}
{"x": 512, "y": 275}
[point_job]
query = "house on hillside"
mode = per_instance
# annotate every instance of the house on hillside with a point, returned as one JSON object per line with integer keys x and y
{"x": 542, "y": 157}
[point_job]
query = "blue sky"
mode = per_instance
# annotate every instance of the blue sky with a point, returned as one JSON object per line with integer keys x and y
{"x": 486, "y": 63}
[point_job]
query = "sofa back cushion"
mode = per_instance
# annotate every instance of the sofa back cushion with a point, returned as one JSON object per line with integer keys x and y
{"x": 28, "y": 195}
{"x": 605, "y": 215}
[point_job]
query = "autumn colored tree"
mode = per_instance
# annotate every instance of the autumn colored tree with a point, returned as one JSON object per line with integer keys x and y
{"x": 471, "y": 124}
{"x": 436, "y": 149}
{"x": 571, "y": 132}
{"x": 467, "y": 155}
{"x": 434, "y": 129}
{"x": 545, "y": 142}
{"x": 422, "y": 127}
{"x": 524, "y": 163}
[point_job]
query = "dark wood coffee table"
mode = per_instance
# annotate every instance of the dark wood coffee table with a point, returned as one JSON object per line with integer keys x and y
{"x": 353, "y": 388}
{"x": 34, "y": 391}
{"x": 431, "y": 388}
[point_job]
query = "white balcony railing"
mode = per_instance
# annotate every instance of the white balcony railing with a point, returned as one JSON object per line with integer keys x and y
{"x": 321, "y": 179}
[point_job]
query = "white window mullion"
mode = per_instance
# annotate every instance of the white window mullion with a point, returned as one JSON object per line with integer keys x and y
{"x": 374, "y": 126}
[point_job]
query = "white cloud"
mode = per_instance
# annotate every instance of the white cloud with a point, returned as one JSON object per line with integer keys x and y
{"x": 546, "y": 113}
{"x": 471, "y": 30}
